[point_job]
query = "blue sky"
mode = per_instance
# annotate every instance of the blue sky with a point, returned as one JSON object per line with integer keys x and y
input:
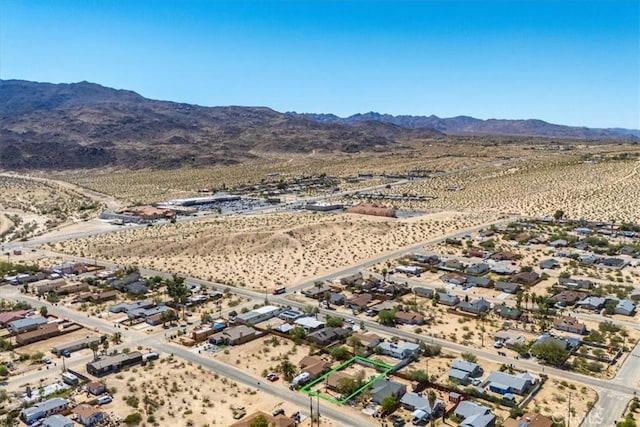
{"x": 571, "y": 62}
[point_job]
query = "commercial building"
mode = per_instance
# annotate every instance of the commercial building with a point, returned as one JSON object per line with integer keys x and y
{"x": 108, "y": 364}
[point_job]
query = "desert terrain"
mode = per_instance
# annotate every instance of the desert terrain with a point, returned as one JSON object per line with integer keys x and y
{"x": 262, "y": 251}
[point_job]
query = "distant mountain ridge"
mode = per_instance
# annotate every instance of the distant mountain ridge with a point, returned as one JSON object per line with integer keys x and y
{"x": 466, "y": 125}
{"x": 86, "y": 125}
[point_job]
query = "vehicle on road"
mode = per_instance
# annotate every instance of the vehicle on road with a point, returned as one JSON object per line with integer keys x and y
{"x": 46, "y": 361}
{"x": 273, "y": 377}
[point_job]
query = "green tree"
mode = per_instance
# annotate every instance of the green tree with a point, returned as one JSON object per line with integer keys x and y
{"x": 387, "y": 317}
{"x": 4, "y": 371}
{"x": 206, "y": 317}
{"x": 558, "y": 215}
{"x": 551, "y": 352}
{"x": 355, "y": 344}
{"x": 288, "y": 369}
{"x": 116, "y": 338}
{"x": 133, "y": 419}
{"x": 94, "y": 346}
{"x": 44, "y": 311}
{"x": 259, "y": 421}
{"x": 469, "y": 357}
{"x": 519, "y": 297}
{"x": 418, "y": 375}
{"x": 389, "y": 404}
{"x": 334, "y": 321}
{"x": 339, "y": 353}
{"x": 298, "y": 333}
{"x": 178, "y": 291}
{"x": 346, "y": 386}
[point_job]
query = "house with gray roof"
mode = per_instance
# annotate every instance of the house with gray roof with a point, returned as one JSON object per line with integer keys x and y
{"x": 476, "y": 307}
{"x": 507, "y": 312}
{"x": 447, "y": 299}
{"x": 478, "y": 269}
{"x": 57, "y": 420}
{"x": 399, "y": 351}
{"x": 508, "y": 287}
{"x": 625, "y": 307}
{"x": 421, "y": 407}
{"x": 27, "y": 324}
{"x": 423, "y": 292}
{"x": 591, "y": 303}
{"x": 568, "y": 282}
{"x": 549, "y": 264}
{"x": 473, "y": 369}
{"x": 482, "y": 282}
{"x": 44, "y": 409}
{"x": 384, "y": 388}
{"x": 459, "y": 377}
{"x": 502, "y": 383}
{"x": 474, "y": 415}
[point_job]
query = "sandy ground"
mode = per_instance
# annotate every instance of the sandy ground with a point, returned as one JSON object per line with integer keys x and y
{"x": 594, "y": 190}
{"x": 261, "y": 252}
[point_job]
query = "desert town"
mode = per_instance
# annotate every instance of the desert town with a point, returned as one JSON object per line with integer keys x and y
{"x": 295, "y": 305}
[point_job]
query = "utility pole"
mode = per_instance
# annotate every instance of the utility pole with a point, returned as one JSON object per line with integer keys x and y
{"x": 318, "y": 408}
{"x": 569, "y": 412}
{"x": 311, "y": 408}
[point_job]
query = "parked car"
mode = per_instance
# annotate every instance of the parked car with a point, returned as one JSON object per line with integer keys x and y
{"x": 46, "y": 361}
{"x": 272, "y": 377}
{"x": 66, "y": 353}
{"x": 397, "y": 420}
{"x": 104, "y": 399}
{"x": 277, "y": 412}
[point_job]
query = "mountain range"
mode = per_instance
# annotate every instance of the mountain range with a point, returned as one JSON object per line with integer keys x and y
{"x": 86, "y": 125}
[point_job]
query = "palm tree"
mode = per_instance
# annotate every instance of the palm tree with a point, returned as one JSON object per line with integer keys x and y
{"x": 94, "y": 346}
{"x": 525, "y": 295}
{"x": 116, "y": 338}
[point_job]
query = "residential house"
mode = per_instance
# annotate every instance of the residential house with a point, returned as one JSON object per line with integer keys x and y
{"x": 591, "y": 303}
{"x": 334, "y": 379}
{"x": 502, "y": 383}
{"x": 44, "y": 409}
{"x": 415, "y": 402}
{"x": 96, "y": 388}
{"x": 507, "y": 312}
{"x": 454, "y": 278}
{"x": 476, "y": 253}
{"x": 336, "y": 298}
{"x": 560, "y": 243}
{"x": 368, "y": 341}
{"x": 408, "y": 318}
{"x": 277, "y": 421}
{"x": 43, "y": 332}
{"x": 121, "y": 284}
{"x": 482, "y": 282}
{"x": 57, "y": 420}
{"x": 107, "y": 364}
{"x": 10, "y": 316}
{"x": 316, "y": 293}
{"x": 473, "y": 369}
{"x": 502, "y": 269}
{"x": 476, "y": 307}
{"x": 384, "y": 388}
{"x": 452, "y": 265}
{"x": 309, "y": 324}
{"x": 575, "y": 283}
{"x": 88, "y": 415}
{"x": 96, "y": 297}
{"x": 291, "y": 315}
{"x": 385, "y": 305}
{"x": 423, "y": 292}
{"x": 26, "y": 324}
{"x": 314, "y": 366}
{"x": 45, "y": 286}
{"x": 327, "y": 336}
{"x": 353, "y": 280}
{"x": 259, "y": 315}
{"x": 234, "y": 335}
{"x": 549, "y": 264}
{"x": 625, "y": 307}
{"x": 568, "y": 343}
{"x": 127, "y": 307}
{"x": 527, "y": 278}
{"x": 410, "y": 270}
{"x": 447, "y": 299}
{"x": 613, "y": 262}
{"x": 569, "y": 324}
{"x": 72, "y": 288}
{"x": 509, "y": 338}
{"x": 478, "y": 269}
{"x": 359, "y": 302}
{"x": 474, "y": 415}
{"x": 508, "y": 287}
{"x": 530, "y": 419}
{"x": 459, "y": 377}
{"x": 504, "y": 256}
{"x": 399, "y": 351}
{"x": 568, "y": 298}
